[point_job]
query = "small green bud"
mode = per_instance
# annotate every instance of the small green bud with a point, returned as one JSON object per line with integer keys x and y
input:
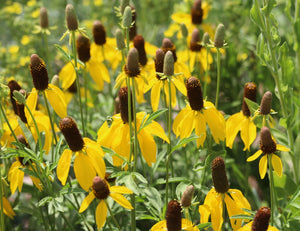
{"x": 4, "y": 90}
{"x": 44, "y": 18}
{"x": 187, "y": 196}
{"x": 127, "y": 17}
{"x": 184, "y": 30}
{"x": 205, "y": 39}
{"x": 169, "y": 64}
{"x": 71, "y": 18}
{"x": 120, "y": 39}
{"x": 219, "y": 36}
{"x": 132, "y": 65}
{"x": 20, "y": 97}
{"x": 55, "y": 80}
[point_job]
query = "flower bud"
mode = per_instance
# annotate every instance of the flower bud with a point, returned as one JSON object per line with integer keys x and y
{"x": 219, "y": 36}
{"x": 184, "y": 30}
{"x": 123, "y": 102}
{"x": 169, "y": 64}
{"x": 195, "y": 41}
{"x": 261, "y": 219}
{"x": 100, "y": 188}
{"x": 206, "y": 39}
{"x": 71, "y": 133}
{"x": 197, "y": 12}
{"x": 194, "y": 93}
{"x": 266, "y": 103}
{"x": 139, "y": 44}
{"x": 249, "y": 93}
{"x": 167, "y": 45}
{"x": 13, "y": 86}
{"x": 44, "y": 18}
{"x": 21, "y": 99}
{"x": 55, "y": 80}
{"x": 267, "y": 144}
{"x": 159, "y": 61}
{"x": 132, "y": 67}
{"x": 132, "y": 29}
{"x": 99, "y": 33}
{"x": 173, "y": 216}
{"x": 71, "y": 18}
{"x": 83, "y": 48}
{"x": 127, "y": 17}
{"x": 38, "y": 72}
{"x": 219, "y": 176}
{"x": 20, "y": 96}
{"x": 187, "y": 196}
{"x": 120, "y": 39}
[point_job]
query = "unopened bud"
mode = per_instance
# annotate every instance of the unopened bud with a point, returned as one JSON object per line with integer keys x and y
{"x": 219, "y": 36}
{"x": 195, "y": 41}
{"x": 219, "y": 176}
{"x": 206, "y": 39}
{"x": 139, "y": 44}
{"x": 159, "y": 61}
{"x": 127, "y": 17}
{"x": 261, "y": 219}
{"x": 132, "y": 65}
{"x": 55, "y": 80}
{"x": 38, "y": 72}
{"x": 194, "y": 93}
{"x": 266, "y": 103}
{"x": 44, "y": 18}
{"x": 20, "y": 96}
{"x": 187, "y": 196}
{"x": 99, "y": 33}
{"x": 120, "y": 39}
{"x": 71, "y": 18}
{"x": 173, "y": 216}
{"x": 197, "y": 12}
{"x": 169, "y": 64}
{"x": 267, "y": 144}
{"x": 184, "y": 30}
{"x": 249, "y": 93}
{"x": 83, "y": 48}
{"x": 100, "y": 188}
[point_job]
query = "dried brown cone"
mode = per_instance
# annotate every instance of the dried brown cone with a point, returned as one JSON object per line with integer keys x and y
{"x": 219, "y": 176}
{"x": 197, "y": 12}
{"x": 267, "y": 144}
{"x": 99, "y": 33}
{"x": 71, "y": 18}
{"x": 21, "y": 107}
{"x": 73, "y": 88}
{"x": 194, "y": 93}
{"x": 132, "y": 29}
{"x": 173, "y": 216}
{"x": 249, "y": 93}
{"x": 139, "y": 44}
{"x": 195, "y": 40}
{"x": 132, "y": 67}
{"x": 266, "y": 103}
{"x": 100, "y": 188}
{"x": 159, "y": 61}
{"x": 187, "y": 196}
{"x": 13, "y": 86}
{"x": 44, "y": 18}
{"x": 123, "y": 98}
{"x": 22, "y": 140}
{"x": 167, "y": 45}
{"x": 38, "y": 72}
{"x": 71, "y": 133}
{"x": 261, "y": 219}
{"x": 83, "y": 48}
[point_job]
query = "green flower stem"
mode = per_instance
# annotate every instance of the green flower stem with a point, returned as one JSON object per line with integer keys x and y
{"x": 272, "y": 190}
{"x": 218, "y": 77}
{"x": 135, "y": 140}
{"x": 127, "y": 39}
{"x": 77, "y": 81}
{"x": 50, "y": 117}
{"x": 1, "y": 203}
{"x": 206, "y": 74}
{"x": 112, "y": 216}
{"x": 85, "y": 93}
{"x": 67, "y": 221}
{"x": 224, "y": 211}
{"x": 45, "y": 38}
{"x": 43, "y": 219}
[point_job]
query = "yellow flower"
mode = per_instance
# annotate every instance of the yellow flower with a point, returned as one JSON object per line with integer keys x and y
{"x": 14, "y": 8}
{"x": 197, "y": 115}
{"x": 25, "y": 40}
{"x": 102, "y": 190}
{"x": 7, "y": 209}
{"x": 185, "y": 225}
{"x": 268, "y": 147}
{"x": 88, "y": 154}
{"x": 248, "y": 227}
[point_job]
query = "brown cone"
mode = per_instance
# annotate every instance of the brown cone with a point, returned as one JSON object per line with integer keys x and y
{"x": 132, "y": 29}
{"x": 173, "y": 216}
{"x": 197, "y": 12}
{"x": 266, "y": 103}
{"x": 159, "y": 61}
{"x": 249, "y": 93}
{"x": 44, "y": 18}
{"x": 194, "y": 93}
{"x": 38, "y": 72}
{"x": 167, "y": 45}
{"x": 219, "y": 176}
{"x": 13, "y": 85}
{"x": 99, "y": 33}
{"x": 123, "y": 98}
{"x": 261, "y": 219}
{"x": 83, "y": 48}
{"x": 139, "y": 44}
{"x": 100, "y": 188}
{"x": 132, "y": 67}
{"x": 267, "y": 144}
{"x": 195, "y": 40}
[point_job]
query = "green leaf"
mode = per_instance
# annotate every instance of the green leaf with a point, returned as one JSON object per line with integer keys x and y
{"x": 44, "y": 201}
{"x": 204, "y": 225}
{"x": 255, "y": 15}
{"x": 68, "y": 190}
{"x": 253, "y": 107}
{"x": 297, "y": 33}
{"x": 62, "y": 51}
{"x": 242, "y": 216}
{"x": 140, "y": 177}
{"x": 184, "y": 141}
{"x": 28, "y": 135}
{"x": 295, "y": 197}
{"x": 268, "y": 8}
{"x": 287, "y": 66}
{"x": 151, "y": 117}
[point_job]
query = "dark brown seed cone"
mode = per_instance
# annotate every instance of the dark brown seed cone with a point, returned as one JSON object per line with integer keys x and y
{"x": 195, "y": 40}
{"x": 38, "y": 72}
{"x": 99, "y": 33}
{"x": 167, "y": 45}
{"x": 117, "y": 105}
{"x": 71, "y": 133}
{"x": 266, "y": 103}
{"x": 197, "y": 12}
{"x": 132, "y": 67}
{"x": 100, "y": 188}
{"x": 83, "y": 48}
{"x": 123, "y": 97}
{"x": 267, "y": 144}
{"x": 22, "y": 140}
{"x": 21, "y": 108}
{"x": 44, "y": 18}
{"x": 13, "y": 85}
{"x": 219, "y": 176}
{"x": 187, "y": 196}
{"x": 173, "y": 216}
{"x": 132, "y": 29}
{"x": 194, "y": 93}
{"x": 261, "y": 219}
{"x": 73, "y": 88}
{"x": 249, "y": 93}
{"x": 71, "y": 18}
{"x": 159, "y": 61}
{"x": 139, "y": 44}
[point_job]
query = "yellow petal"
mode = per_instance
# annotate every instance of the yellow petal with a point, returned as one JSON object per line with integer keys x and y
{"x": 155, "y": 95}
{"x": 95, "y": 72}
{"x": 120, "y": 189}
{"x": 282, "y": 148}
{"x": 7, "y": 209}
{"x": 233, "y": 126}
{"x": 155, "y": 129}
{"x": 84, "y": 171}
{"x": 86, "y": 202}
{"x": 31, "y": 102}
{"x": 247, "y": 227}
{"x": 187, "y": 124}
{"x": 148, "y": 146}
{"x": 239, "y": 198}
{"x": 177, "y": 123}
{"x": 277, "y": 164}
{"x": 159, "y": 226}
{"x": 180, "y": 86}
{"x": 101, "y": 213}
{"x": 15, "y": 177}
{"x": 200, "y": 129}
{"x": 57, "y": 100}
{"x": 67, "y": 75}
{"x": 181, "y": 17}
{"x": 263, "y": 165}
{"x": 248, "y": 133}
{"x": 63, "y": 166}
{"x": 255, "y": 156}
{"x": 204, "y": 211}
{"x": 121, "y": 200}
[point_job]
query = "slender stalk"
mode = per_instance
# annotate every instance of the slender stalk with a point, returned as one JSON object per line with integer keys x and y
{"x": 43, "y": 219}
{"x": 85, "y": 94}
{"x": 135, "y": 140}
{"x": 272, "y": 190}
{"x": 67, "y": 222}
{"x": 206, "y": 74}
{"x": 224, "y": 211}
{"x": 45, "y": 38}
{"x": 1, "y": 203}
{"x": 218, "y": 77}
{"x": 112, "y": 216}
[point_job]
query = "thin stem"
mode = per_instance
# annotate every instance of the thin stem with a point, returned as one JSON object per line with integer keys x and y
{"x": 85, "y": 94}
{"x": 43, "y": 219}
{"x": 112, "y": 216}
{"x": 206, "y": 74}
{"x": 67, "y": 222}
{"x": 1, "y": 203}
{"x": 224, "y": 211}
{"x": 135, "y": 140}
{"x": 45, "y": 37}
{"x": 218, "y": 77}
{"x": 272, "y": 190}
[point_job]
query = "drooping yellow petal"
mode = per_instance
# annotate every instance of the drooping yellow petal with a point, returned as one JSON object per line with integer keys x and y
{"x": 120, "y": 189}
{"x": 15, "y": 177}
{"x": 98, "y": 72}
{"x": 57, "y": 100}
{"x": 148, "y": 146}
{"x": 263, "y": 165}
{"x": 155, "y": 95}
{"x": 277, "y": 164}
{"x": 204, "y": 211}
{"x": 7, "y": 209}
{"x": 188, "y": 225}
{"x": 155, "y": 128}
{"x": 255, "y": 156}
{"x": 187, "y": 124}
{"x": 246, "y": 227}
{"x": 159, "y": 226}
{"x": 120, "y": 80}
{"x": 178, "y": 120}
{"x": 121, "y": 200}
{"x": 180, "y": 86}
{"x": 84, "y": 171}
{"x": 248, "y": 133}
{"x": 101, "y": 213}
{"x": 63, "y": 166}
{"x": 282, "y": 148}
{"x": 31, "y": 102}
{"x": 200, "y": 129}
{"x": 233, "y": 126}
{"x": 86, "y": 202}
{"x": 67, "y": 75}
